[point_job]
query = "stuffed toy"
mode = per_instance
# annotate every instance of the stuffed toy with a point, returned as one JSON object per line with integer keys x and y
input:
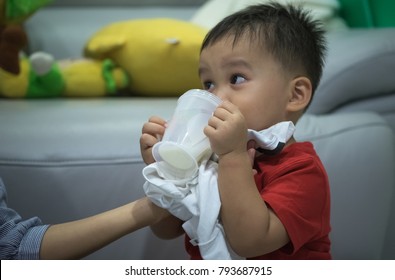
{"x": 92, "y": 77}
{"x": 160, "y": 55}
{"x": 41, "y": 76}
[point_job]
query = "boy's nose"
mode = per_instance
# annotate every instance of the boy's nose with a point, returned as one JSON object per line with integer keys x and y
{"x": 220, "y": 93}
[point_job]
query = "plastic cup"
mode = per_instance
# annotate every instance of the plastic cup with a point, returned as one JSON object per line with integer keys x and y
{"x": 184, "y": 143}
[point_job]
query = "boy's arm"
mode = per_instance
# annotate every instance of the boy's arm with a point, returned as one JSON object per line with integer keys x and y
{"x": 250, "y": 226}
{"x": 252, "y": 229}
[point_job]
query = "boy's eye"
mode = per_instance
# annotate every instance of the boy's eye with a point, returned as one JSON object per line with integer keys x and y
{"x": 208, "y": 85}
{"x": 237, "y": 79}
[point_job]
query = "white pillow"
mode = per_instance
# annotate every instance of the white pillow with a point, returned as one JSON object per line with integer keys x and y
{"x": 214, "y": 11}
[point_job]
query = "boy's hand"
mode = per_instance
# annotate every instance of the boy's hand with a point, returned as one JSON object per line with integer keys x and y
{"x": 152, "y": 133}
{"x": 227, "y": 130}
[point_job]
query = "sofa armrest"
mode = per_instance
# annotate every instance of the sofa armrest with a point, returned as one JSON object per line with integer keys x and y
{"x": 359, "y": 66}
{"x": 358, "y": 152}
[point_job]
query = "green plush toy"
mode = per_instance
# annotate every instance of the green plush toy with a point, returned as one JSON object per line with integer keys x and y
{"x": 160, "y": 55}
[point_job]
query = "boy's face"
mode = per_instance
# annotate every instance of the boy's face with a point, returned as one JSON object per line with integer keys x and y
{"x": 249, "y": 77}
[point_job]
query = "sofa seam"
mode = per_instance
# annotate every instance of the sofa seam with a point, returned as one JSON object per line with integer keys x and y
{"x": 60, "y": 163}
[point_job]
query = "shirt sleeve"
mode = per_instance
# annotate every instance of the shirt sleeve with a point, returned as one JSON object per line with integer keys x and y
{"x": 19, "y": 239}
{"x": 300, "y": 198}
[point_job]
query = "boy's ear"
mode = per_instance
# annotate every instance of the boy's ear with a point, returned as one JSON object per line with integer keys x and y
{"x": 300, "y": 94}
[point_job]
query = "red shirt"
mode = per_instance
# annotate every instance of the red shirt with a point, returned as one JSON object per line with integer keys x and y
{"x": 294, "y": 184}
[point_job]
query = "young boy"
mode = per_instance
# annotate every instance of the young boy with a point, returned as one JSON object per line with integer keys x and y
{"x": 265, "y": 63}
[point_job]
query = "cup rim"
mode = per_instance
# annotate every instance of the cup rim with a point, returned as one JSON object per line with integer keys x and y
{"x": 203, "y": 93}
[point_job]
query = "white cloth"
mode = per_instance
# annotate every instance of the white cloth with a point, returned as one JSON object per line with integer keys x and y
{"x": 196, "y": 200}
{"x": 272, "y": 138}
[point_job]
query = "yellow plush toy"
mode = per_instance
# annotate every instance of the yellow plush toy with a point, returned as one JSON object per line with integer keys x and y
{"x": 89, "y": 77}
{"x": 159, "y": 55}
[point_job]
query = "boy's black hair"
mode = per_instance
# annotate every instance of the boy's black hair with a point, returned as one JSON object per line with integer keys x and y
{"x": 287, "y": 32}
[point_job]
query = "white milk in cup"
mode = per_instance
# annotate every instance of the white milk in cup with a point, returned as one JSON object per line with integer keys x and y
{"x": 184, "y": 143}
